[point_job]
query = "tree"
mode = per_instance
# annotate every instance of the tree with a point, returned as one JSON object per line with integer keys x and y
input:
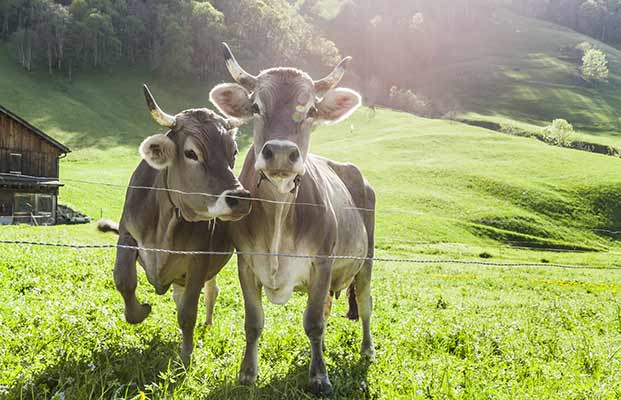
{"x": 207, "y": 25}
{"x": 594, "y": 65}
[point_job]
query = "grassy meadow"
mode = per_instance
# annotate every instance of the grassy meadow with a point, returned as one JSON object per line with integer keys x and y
{"x": 442, "y": 331}
{"x": 445, "y": 190}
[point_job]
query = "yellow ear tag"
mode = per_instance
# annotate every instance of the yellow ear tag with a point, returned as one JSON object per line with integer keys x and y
{"x": 298, "y": 115}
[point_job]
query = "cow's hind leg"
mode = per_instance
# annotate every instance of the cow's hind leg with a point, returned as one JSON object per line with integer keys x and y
{"x": 365, "y": 307}
{"x": 352, "y": 312}
{"x": 187, "y": 307}
{"x": 126, "y": 280}
{"x": 211, "y": 294}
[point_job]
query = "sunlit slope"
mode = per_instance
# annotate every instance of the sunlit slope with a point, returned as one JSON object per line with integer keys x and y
{"x": 443, "y": 188}
{"x": 444, "y": 181}
{"x": 514, "y": 68}
{"x": 96, "y": 110}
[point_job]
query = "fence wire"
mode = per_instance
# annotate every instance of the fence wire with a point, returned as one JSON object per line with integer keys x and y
{"x": 306, "y": 256}
{"x": 258, "y": 199}
{"x": 333, "y": 257}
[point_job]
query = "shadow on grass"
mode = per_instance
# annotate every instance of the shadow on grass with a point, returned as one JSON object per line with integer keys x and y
{"x": 349, "y": 381}
{"x": 115, "y": 372}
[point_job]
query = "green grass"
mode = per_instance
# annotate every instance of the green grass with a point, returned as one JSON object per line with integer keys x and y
{"x": 441, "y": 331}
{"x": 445, "y": 190}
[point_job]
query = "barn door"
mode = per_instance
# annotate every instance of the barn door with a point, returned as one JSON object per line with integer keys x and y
{"x": 6, "y": 208}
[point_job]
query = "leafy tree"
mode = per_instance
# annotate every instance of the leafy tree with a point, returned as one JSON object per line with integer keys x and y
{"x": 594, "y": 65}
{"x": 560, "y": 132}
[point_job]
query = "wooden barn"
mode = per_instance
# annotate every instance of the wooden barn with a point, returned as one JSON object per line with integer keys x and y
{"x": 29, "y": 178}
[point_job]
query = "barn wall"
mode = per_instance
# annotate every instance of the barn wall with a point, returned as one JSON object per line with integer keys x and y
{"x": 39, "y": 157}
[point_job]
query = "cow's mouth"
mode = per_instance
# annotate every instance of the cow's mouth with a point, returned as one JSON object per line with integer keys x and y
{"x": 285, "y": 181}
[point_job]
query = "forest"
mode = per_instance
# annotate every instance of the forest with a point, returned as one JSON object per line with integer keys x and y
{"x": 180, "y": 37}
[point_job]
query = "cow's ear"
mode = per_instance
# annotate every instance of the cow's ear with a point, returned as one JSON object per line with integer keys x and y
{"x": 337, "y": 105}
{"x": 232, "y": 100}
{"x": 158, "y": 151}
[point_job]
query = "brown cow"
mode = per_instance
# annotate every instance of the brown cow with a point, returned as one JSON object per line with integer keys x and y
{"x": 285, "y": 104}
{"x": 189, "y": 183}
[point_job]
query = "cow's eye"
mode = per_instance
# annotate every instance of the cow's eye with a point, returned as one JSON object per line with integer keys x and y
{"x": 191, "y": 155}
{"x": 256, "y": 109}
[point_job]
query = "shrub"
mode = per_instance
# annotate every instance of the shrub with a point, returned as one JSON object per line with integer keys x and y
{"x": 594, "y": 65}
{"x": 406, "y": 100}
{"x": 560, "y": 133}
{"x": 584, "y": 47}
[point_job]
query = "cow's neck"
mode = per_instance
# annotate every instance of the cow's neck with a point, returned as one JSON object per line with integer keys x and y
{"x": 278, "y": 212}
{"x": 167, "y": 218}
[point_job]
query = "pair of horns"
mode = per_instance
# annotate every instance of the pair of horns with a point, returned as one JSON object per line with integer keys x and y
{"x": 249, "y": 81}
{"x": 158, "y": 115}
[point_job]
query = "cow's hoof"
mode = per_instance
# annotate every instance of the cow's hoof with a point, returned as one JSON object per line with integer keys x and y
{"x": 248, "y": 376}
{"x": 320, "y": 386}
{"x": 186, "y": 357}
{"x": 368, "y": 352}
{"x": 352, "y": 314}
{"x": 138, "y": 314}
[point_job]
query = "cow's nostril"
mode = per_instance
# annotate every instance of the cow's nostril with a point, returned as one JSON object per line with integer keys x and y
{"x": 235, "y": 199}
{"x": 267, "y": 152}
{"x": 232, "y": 201}
{"x": 295, "y": 155}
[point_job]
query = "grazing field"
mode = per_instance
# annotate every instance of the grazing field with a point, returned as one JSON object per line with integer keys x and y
{"x": 445, "y": 190}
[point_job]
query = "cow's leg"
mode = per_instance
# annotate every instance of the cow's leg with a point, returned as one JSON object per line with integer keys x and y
{"x": 365, "y": 307}
{"x": 177, "y": 295}
{"x": 255, "y": 319}
{"x": 187, "y": 311}
{"x": 126, "y": 280}
{"x": 211, "y": 294}
{"x": 314, "y": 326}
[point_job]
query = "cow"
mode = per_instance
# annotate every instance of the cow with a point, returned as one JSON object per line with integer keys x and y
{"x": 182, "y": 186}
{"x": 308, "y": 205}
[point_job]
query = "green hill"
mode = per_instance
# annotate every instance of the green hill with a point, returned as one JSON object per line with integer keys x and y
{"x": 466, "y": 189}
{"x": 516, "y": 69}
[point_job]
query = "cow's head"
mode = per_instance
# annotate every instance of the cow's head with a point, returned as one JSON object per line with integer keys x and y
{"x": 285, "y": 104}
{"x": 197, "y": 155}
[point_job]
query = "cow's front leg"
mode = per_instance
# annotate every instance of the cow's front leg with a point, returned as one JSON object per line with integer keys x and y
{"x": 255, "y": 319}
{"x": 126, "y": 280}
{"x": 187, "y": 308}
{"x": 211, "y": 294}
{"x": 314, "y": 326}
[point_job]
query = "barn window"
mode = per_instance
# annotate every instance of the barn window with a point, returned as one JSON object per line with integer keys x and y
{"x": 16, "y": 163}
{"x": 45, "y": 205}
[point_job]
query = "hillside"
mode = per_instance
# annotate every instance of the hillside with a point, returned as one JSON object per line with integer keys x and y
{"x": 444, "y": 188}
{"x": 514, "y": 69}
{"x": 466, "y": 189}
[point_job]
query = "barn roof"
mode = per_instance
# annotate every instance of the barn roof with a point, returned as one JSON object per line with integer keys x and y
{"x": 35, "y": 130}
{"x": 13, "y": 180}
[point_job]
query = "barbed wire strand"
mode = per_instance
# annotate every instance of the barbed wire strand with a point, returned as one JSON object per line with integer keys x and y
{"x": 258, "y": 199}
{"x": 392, "y": 211}
{"x": 306, "y": 256}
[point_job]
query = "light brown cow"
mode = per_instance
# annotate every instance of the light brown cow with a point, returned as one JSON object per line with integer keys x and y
{"x": 188, "y": 181}
{"x": 284, "y": 105}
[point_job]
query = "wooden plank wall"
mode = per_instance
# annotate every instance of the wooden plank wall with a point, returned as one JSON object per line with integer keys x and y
{"x": 39, "y": 158}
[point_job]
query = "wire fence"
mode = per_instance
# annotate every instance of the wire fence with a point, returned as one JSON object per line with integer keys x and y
{"x": 362, "y": 209}
{"x": 306, "y": 256}
{"x": 527, "y": 245}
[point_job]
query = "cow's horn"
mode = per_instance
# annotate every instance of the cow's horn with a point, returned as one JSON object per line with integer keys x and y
{"x": 237, "y": 72}
{"x": 158, "y": 115}
{"x": 329, "y": 82}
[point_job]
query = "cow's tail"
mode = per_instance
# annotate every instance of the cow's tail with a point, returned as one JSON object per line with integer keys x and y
{"x": 107, "y": 225}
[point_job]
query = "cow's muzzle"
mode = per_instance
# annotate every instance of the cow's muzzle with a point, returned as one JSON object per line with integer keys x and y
{"x": 281, "y": 163}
